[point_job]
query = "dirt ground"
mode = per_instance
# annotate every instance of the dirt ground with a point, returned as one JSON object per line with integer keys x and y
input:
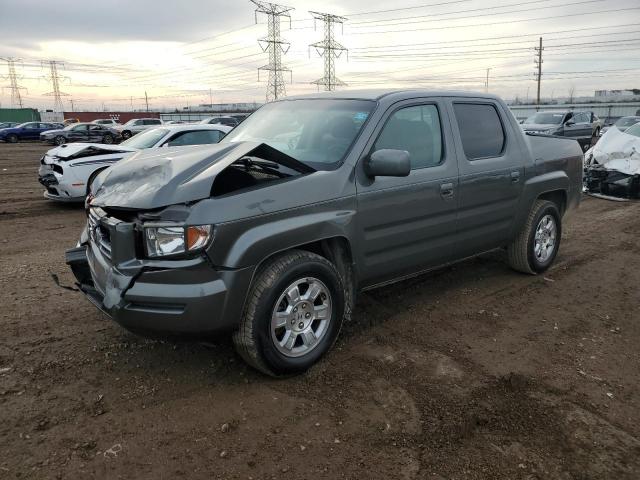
{"x": 471, "y": 372}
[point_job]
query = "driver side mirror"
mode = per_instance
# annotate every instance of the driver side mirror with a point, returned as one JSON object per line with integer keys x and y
{"x": 388, "y": 163}
{"x": 569, "y": 123}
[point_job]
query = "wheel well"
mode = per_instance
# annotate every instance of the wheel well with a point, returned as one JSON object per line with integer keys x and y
{"x": 559, "y": 197}
{"x": 93, "y": 176}
{"x": 338, "y": 251}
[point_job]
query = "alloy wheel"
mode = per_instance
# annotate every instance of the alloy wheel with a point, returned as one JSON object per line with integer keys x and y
{"x": 301, "y": 317}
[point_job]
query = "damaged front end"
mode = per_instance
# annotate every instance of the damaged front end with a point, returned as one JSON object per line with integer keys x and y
{"x": 612, "y": 166}
{"x": 143, "y": 262}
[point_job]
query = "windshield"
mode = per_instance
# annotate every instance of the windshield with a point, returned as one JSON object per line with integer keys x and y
{"x": 545, "y": 118}
{"x": 634, "y": 130}
{"x": 316, "y": 132}
{"x": 627, "y": 121}
{"x": 146, "y": 139}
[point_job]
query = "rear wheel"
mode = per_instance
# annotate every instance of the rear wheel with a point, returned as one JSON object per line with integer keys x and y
{"x": 13, "y": 138}
{"x": 293, "y": 314}
{"x": 59, "y": 140}
{"x": 126, "y": 134}
{"x": 536, "y": 246}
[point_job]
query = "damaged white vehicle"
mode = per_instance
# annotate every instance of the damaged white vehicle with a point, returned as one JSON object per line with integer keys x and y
{"x": 612, "y": 166}
{"x": 68, "y": 170}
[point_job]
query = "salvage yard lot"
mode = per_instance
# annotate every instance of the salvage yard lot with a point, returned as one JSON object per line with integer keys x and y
{"x": 470, "y": 372}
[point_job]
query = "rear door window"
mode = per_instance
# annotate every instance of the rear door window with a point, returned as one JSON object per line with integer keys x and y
{"x": 481, "y": 130}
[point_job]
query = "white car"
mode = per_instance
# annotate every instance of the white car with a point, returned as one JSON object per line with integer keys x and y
{"x": 137, "y": 125}
{"x": 106, "y": 121}
{"x": 67, "y": 171}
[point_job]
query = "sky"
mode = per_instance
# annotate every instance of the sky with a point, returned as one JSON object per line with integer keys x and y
{"x": 195, "y": 51}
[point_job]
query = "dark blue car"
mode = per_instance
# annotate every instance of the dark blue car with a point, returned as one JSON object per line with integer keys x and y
{"x": 26, "y": 131}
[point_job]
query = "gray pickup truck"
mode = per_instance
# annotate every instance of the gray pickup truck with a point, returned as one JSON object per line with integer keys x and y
{"x": 272, "y": 232}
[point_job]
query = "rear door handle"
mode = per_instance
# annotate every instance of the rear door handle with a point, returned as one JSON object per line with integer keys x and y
{"x": 515, "y": 177}
{"x": 446, "y": 190}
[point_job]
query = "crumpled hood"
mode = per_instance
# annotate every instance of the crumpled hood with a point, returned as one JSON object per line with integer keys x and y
{"x": 73, "y": 149}
{"x": 617, "y": 151}
{"x": 157, "y": 178}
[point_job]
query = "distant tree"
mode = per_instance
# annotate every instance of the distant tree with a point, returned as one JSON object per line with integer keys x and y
{"x": 572, "y": 94}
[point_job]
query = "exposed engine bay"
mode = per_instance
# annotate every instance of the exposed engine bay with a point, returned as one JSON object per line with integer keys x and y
{"x": 612, "y": 166}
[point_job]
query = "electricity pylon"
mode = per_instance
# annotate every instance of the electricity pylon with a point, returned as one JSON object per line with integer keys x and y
{"x": 275, "y": 46}
{"x": 16, "y": 97}
{"x": 329, "y": 49}
{"x": 55, "y": 78}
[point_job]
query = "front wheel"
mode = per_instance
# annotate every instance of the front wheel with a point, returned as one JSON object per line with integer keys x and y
{"x": 536, "y": 246}
{"x": 59, "y": 140}
{"x": 107, "y": 139}
{"x": 13, "y": 138}
{"x": 293, "y": 314}
{"x": 126, "y": 134}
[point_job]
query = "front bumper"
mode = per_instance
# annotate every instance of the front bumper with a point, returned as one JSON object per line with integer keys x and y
{"x": 160, "y": 297}
{"x": 57, "y": 188}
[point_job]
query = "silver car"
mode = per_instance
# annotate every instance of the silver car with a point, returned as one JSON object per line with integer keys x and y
{"x": 137, "y": 125}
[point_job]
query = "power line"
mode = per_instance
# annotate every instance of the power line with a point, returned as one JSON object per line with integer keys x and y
{"x": 562, "y": 46}
{"x": 274, "y": 45}
{"x": 426, "y": 5}
{"x": 329, "y": 49}
{"x": 448, "y": 27}
{"x": 443, "y": 45}
{"x": 420, "y": 19}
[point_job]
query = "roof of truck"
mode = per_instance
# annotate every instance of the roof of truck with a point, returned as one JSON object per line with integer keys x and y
{"x": 377, "y": 94}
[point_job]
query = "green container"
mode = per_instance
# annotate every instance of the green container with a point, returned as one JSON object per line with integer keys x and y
{"x": 19, "y": 115}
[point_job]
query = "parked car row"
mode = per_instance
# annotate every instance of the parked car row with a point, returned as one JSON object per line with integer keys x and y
{"x": 27, "y": 131}
{"x": 622, "y": 124}
{"x": 583, "y": 126}
{"x": 67, "y": 170}
{"x": 81, "y": 132}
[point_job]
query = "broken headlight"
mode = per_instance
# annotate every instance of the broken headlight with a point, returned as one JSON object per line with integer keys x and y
{"x": 169, "y": 240}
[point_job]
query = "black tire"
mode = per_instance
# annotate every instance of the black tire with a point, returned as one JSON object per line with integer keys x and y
{"x": 253, "y": 339}
{"x": 92, "y": 177}
{"x": 126, "y": 134}
{"x": 13, "y": 138}
{"x": 107, "y": 139}
{"x": 521, "y": 252}
{"x": 59, "y": 140}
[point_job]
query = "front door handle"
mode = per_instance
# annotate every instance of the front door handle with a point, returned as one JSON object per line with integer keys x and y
{"x": 515, "y": 177}
{"x": 446, "y": 190}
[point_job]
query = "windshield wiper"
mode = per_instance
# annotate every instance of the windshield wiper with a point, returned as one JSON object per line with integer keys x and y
{"x": 251, "y": 161}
